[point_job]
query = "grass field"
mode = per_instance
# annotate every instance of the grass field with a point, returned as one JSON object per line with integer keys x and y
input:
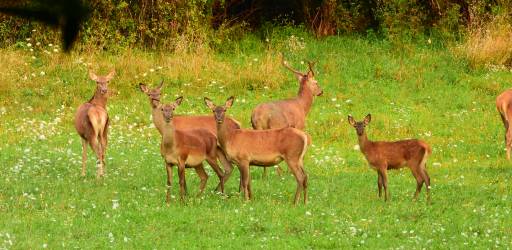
{"x": 418, "y": 90}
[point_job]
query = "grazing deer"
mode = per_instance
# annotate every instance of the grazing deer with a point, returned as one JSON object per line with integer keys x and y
{"x": 383, "y": 155}
{"x": 91, "y": 122}
{"x": 503, "y": 103}
{"x": 261, "y": 148}
{"x": 187, "y": 148}
{"x": 290, "y": 112}
{"x": 186, "y": 122}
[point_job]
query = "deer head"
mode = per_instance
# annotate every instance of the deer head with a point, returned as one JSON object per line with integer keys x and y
{"x": 219, "y": 111}
{"x": 168, "y": 109}
{"x": 306, "y": 79}
{"x": 359, "y": 126}
{"x": 153, "y": 94}
{"x": 102, "y": 81}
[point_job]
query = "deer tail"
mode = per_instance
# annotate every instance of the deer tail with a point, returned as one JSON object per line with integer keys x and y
{"x": 427, "y": 151}
{"x": 503, "y": 111}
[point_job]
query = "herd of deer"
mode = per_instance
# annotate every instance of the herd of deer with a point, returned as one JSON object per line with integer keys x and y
{"x": 277, "y": 135}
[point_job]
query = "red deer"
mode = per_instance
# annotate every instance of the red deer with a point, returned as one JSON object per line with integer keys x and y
{"x": 290, "y": 112}
{"x": 383, "y": 155}
{"x": 261, "y": 148}
{"x": 186, "y": 122}
{"x": 187, "y": 148}
{"x": 91, "y": 122}
{"x": 503, "y": 103}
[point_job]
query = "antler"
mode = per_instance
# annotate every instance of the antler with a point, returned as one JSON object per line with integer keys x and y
{"x": 310, "y": 65}
{"x": 288, "y": 67}
{"x": 161, "y": 84}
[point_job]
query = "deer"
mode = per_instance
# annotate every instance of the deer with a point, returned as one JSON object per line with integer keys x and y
{"x": 503, "y": 103}
{"x": 186, "y": 122}
{"x": 187, "y": 149}
{"x": 383, "y": 155}
{"x": 290, "y": 112}
{"x": 92, "y": 122}
{"x": 261, "y": 148}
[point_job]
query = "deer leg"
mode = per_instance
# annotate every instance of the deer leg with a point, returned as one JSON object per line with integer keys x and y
{"x": 508, "y": 142}
{"x": 299, "y": 177}
{"x": 245, "y": 178}
{"x": 103, "y": 143}
{"x": 168, "y": 168}
{"x": 181, "y": 174}
{"x": 419, "y": 181}
{"x": 304, "y": 185}
{"x": 228, "y": 167}
{"x": 203, "y": 176}
{"x": 96, "y": 147}
{"x": 218, "y": 171}
{"x": 279, "y": 171}
{"x": 384, "y": 174}
{"x": 379, "y": 183}
{"x": 84, "y": 155}
{"x": 426, "y": 178}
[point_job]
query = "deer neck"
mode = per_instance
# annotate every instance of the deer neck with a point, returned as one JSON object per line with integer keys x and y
{"x": 364, "y": 143}
{"x": 305, "y": 97}
{"x": 168, "y": 132}
{"x": 99, "y": 99}
{"x": 156, "y": 115}
{"x": 223, "y": 132}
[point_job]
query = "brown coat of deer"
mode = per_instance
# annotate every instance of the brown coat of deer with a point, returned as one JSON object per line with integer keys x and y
{"x": 261, "y": 148}
{"x": 290, "y": 112}
{"x": 186, "y": 122}
{"x": 503, "y": 104}
{"x": 91, "y": 122}
{"x": 187, "y": 148}
{"x": 383, "y": 155}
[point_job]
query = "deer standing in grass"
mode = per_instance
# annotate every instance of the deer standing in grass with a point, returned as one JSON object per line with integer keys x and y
{"x": 290, "y": 112}
{"x": 261, "y": 148}
{"x": 503, "y": 103}
{"x": 91, "y": 122}
{"x": 186, "y": 122}
{"x": 383, "y": 155}
{"x": 187, "y": 148}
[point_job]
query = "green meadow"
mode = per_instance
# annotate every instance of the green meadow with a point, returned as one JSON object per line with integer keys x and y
{"x": 413, "y": 90}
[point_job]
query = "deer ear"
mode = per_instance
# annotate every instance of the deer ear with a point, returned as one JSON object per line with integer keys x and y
{"x": 367, "y": 119}
{"x": 229, "y": 102}
{"x": 178, "y": 100}
{"x": 351, "y": 120}
{"x": 143, "y": 87}
{"x": 93, "y": 76}
{"x": 110, "y": 75}
{"x": 209, "y": 103}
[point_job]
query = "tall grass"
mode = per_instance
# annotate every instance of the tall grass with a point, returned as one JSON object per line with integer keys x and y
{"x": 489, "y": 44}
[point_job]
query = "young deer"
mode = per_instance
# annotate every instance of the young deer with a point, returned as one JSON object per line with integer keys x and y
{"x": 187, "y": 148}
{"x": 91, "y": 122}
{"x": 383, "y": 155}
{"x": 290, "y": 112}
{"x": 261, "y": 148}
{"x": 503, "y": 103}
{"x": 186, "y": 122}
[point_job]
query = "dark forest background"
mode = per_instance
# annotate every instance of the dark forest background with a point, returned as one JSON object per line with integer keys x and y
{"x": 161, "y": 24}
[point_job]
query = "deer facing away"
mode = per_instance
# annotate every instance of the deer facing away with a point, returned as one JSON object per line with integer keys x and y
{"x": 290, "y": 112}
{"x": 187, "y": 148}
{"x": 503, "y": 105}
{"x": 261, "y": 148}
{"x": 383, "y": 155}
{"x": 91, "y": 122}
{"x": 182, "y": 122}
